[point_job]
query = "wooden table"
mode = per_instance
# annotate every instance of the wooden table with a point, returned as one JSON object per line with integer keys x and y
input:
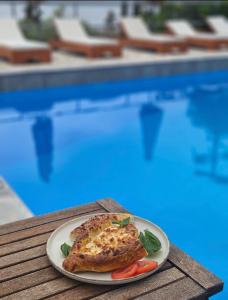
{"x": 25, "y": 272}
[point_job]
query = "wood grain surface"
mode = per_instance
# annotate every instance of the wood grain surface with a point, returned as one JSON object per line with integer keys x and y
{"x": 26, "y": 273}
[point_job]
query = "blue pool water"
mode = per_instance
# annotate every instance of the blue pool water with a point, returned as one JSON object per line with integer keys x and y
{"x": 158, "y": 146}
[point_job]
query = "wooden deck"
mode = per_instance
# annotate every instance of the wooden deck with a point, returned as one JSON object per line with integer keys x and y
{"x": 25, "y": 272}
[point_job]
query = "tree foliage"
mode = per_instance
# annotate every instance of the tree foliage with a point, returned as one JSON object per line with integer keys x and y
{"x": 32, "y": 10}
{"x": 195, "y": 13}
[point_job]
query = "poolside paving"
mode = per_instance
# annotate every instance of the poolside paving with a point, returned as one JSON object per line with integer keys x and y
{"x": 71, "y": 69}
{"x": 63, "y": 60}
{"x": 12, "y": 207}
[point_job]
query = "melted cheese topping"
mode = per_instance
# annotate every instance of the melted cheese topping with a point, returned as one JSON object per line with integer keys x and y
{"x": 111, "y": 237}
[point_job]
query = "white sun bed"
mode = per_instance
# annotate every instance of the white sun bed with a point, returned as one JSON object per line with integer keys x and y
{"x": 183, "y": 28}
{"x": 16, "y": 48}
{"x": 137, "y": 35}
{"x": 73, "y": 37}
{"x": 218, "y": 24}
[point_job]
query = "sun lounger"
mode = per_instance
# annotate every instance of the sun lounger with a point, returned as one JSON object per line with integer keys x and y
{"x": 73, "y": 37}
{"x": 218, "y": 24}
{"x": 15, "y": 48}
{"x": 137, "y": 35}
{"x": 183, "y": 28}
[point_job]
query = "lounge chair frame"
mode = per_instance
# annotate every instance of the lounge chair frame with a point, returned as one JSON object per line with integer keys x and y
{"x": 210, "y": 44}
{"x": 19, "y": 56}
{"x": 161, "y": 47}
{"x": 91, "y": 51}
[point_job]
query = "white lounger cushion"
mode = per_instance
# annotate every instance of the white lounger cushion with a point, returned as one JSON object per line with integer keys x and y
{"x": 73, "y": 31}
{"x": 136, "y": 29}
{"x": 9, "y": 30}
{"x": 164, "y": 38}
{"x": 92, "y": 41}
{"x": 219, "y": 24}
{"x": 181, "y": 28}
{"x": 11, "y": 37}
{"x": 185, "y": 29}
{"x": 22, "y": 45}
{"x": 68, "y": 29}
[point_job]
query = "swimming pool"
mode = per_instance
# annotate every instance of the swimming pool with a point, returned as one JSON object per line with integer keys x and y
{"x": 158, "y": 146}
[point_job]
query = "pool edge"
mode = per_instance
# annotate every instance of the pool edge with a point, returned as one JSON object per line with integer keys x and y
{"x": 12, "y": 207}
{"x": 41, "y": 78}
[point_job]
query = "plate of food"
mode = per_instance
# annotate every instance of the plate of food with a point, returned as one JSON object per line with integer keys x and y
{"x": 108, "y": 248}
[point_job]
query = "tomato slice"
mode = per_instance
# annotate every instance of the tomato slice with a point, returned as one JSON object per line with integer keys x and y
{"x": 125, "y": 272}
{"x": 145, "y": 266}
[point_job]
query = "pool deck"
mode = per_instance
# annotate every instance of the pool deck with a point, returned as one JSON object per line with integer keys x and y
{"x": 71, "y": 69}
{"x": 12, "y": 207}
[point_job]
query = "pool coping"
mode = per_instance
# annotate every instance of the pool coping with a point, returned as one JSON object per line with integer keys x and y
{"x": 12, "y": 207}
{"x": 14, "y": 80}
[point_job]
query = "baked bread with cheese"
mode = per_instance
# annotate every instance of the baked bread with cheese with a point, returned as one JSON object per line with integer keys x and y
{"x": 101, "y": 246}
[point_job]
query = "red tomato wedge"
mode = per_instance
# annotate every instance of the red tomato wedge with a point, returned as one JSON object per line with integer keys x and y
{"x": 125, "y": 272}
{"x": 135, "y": 269}
{"x": 145, "y": 266}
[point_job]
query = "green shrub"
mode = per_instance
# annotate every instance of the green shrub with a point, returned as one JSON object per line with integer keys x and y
{"x": 195, "y": 13}
{"x": 42, "y": 31}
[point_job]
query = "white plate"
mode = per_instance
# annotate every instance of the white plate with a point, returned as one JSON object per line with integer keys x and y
{"x": 61, "y": 235}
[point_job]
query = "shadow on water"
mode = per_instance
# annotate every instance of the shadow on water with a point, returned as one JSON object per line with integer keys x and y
{"x": 208, "y": 109}
{"x": 40, "y": 112}
{"x": 41, "y": 106}
{"x": 42, "y": 132}
{"x": 151, "y": 119}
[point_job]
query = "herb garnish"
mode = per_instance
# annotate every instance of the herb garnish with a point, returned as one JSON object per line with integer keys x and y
{"x": 65, "y": 248}
{"x": 122, "y": 223}
{"x": 150, "y": 242}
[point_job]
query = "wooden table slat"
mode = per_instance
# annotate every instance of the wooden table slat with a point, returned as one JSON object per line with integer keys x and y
{"x": 45, "y": 289}
{"x": 83, "y": 291}
{"x": 26, "y": 244}
{"x": 181, "y": 260}
{"x": 90, "y": 291}
{"x": 110, "y": 205}
{"x": 37, "y": 277}
{"x": 24, "y": 268}
{"x": 141, "y": 287}
{"x": 183, "y": 289}
{"x": 26, "y": 273}
{"x": 195, "y": 271}
{"x": 22, "y": 256}
{"x": 43, "y": 219}
{"x": 26, "y": 281}
{"x": 33, "y": 231}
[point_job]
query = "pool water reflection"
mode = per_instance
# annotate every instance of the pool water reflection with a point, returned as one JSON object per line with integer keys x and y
{"x": 159, "y": 146}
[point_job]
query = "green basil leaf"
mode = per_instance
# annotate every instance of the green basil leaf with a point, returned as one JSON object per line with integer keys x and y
{"x": 65, "y": 248}
{"x": 125, "y": 222}
{"x": 142, "y": 238}
{"x": 153, "y": 240}
{"x": 116, "y": 222}
{"x": 146, "y": 244}
{"x": 122, "y": 223}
